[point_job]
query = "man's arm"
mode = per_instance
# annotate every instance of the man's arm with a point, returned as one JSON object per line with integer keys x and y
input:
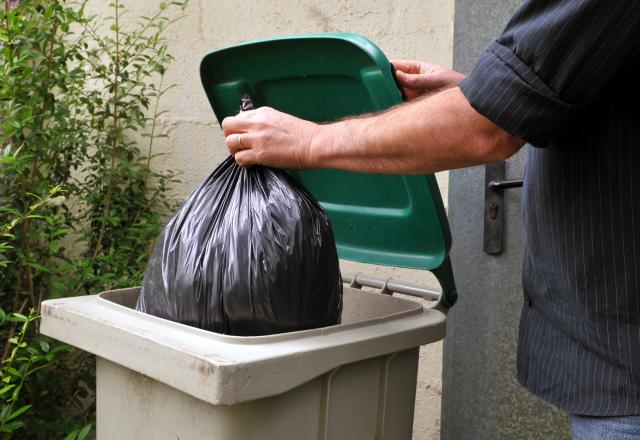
{"x": 434, "y": 133}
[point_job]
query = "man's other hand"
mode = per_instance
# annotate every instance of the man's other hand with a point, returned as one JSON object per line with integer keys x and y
{"x": 268, "y": 137}
{"x": 417, "y": 77}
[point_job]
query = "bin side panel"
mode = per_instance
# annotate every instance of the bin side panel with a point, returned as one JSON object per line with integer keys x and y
{"x": 402, "y": 373}
{"x": 133, "y": 406}
{"x": 373, "y": 399}
{"x": 353, "y": 401}
{"x": 370, "y": 399}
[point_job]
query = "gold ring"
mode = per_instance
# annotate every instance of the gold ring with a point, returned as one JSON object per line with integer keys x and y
{"x": 240, "y": 142}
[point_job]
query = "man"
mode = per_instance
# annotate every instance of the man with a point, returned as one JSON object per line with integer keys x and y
{"x": 563, "y": 76}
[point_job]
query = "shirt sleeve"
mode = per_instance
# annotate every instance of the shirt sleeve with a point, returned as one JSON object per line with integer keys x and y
{"x": 553, "y": 58}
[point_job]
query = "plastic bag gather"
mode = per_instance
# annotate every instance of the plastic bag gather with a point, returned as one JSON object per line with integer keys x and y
{"x": 250, "y": 252}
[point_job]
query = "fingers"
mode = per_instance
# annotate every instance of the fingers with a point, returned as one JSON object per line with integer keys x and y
{"x": 246, "y": 158}
{"x": 232, "y": 124}
{"x": 239, "y": 123}
{"x": 429, "y": 81}
{"x": 235, "y": 130}
{"x": 424, "y": 81}
{"x": 239, "y": 130}
{"x": 407, "y": 66}
{"x": 412, "y": 80}
{"x": 245, "y": 121}
{"x": 237, "y": 142}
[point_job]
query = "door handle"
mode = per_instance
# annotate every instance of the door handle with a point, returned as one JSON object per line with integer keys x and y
{"x": 495, "y": 183}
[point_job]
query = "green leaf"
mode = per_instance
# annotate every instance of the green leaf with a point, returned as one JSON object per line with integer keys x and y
{"x": 13, "y": 371}
{"x": 19, "y": 317}
{"x": 8, "y": 160}
{"x": 12, "y": 426}
{"x": 44, "y": 345}
{"x": 16, "y": 392}
{"x": 4, "y": 411}
{"x": 84, "y": 432}
{"x": 19, "y": 411}
{"x": 6, "y": 388}
{"x": 72, "y": 435}
{"x": 39, "y": 267}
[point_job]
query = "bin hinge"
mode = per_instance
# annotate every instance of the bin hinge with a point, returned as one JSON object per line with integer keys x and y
{"x": 495, "y": 183}
{"x": 389, "y": 286}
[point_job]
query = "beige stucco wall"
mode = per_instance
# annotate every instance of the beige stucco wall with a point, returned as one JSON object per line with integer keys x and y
{"x": 421, "y": 29}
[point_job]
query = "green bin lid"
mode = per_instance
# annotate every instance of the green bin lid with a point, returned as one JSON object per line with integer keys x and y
{"x": 393, "y": 220}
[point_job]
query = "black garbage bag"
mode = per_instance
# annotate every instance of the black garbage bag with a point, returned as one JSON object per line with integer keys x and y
{"x": 250, "y": 252}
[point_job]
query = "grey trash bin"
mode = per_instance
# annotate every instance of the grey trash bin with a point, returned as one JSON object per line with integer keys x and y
{"x": 158, "y": 380}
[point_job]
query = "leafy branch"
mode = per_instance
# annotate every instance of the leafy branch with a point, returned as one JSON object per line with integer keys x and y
{"x": 78, "y": 94}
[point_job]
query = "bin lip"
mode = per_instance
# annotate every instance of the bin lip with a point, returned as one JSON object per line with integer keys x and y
{"x": 413, "y": 308}
{"x": 226, "y": 370}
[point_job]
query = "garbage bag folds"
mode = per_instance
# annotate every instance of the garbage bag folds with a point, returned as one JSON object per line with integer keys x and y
{"x": 250, "y": 252}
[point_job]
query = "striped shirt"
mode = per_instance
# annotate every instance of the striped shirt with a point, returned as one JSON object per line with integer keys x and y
{"x": 565, "y": 77}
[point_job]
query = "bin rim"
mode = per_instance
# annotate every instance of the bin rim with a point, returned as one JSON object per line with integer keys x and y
{"x": 225, "y": 370}
{"x": 107, "y": 298}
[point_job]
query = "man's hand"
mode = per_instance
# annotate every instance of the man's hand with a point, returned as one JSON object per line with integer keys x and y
{"x": 417, "y": 78}
{"x": 269, "y": 137}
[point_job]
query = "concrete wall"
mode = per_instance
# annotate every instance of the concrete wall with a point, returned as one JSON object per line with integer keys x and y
{"x": 421, "y": 29}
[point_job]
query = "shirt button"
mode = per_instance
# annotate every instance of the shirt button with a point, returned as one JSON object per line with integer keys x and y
{"x": 528, "y": 301}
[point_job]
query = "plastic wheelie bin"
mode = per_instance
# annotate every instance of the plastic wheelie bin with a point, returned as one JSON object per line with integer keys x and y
{"x": 157, "y": 379}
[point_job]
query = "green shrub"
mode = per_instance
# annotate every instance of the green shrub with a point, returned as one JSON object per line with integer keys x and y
{"x": 78, "y": 110}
